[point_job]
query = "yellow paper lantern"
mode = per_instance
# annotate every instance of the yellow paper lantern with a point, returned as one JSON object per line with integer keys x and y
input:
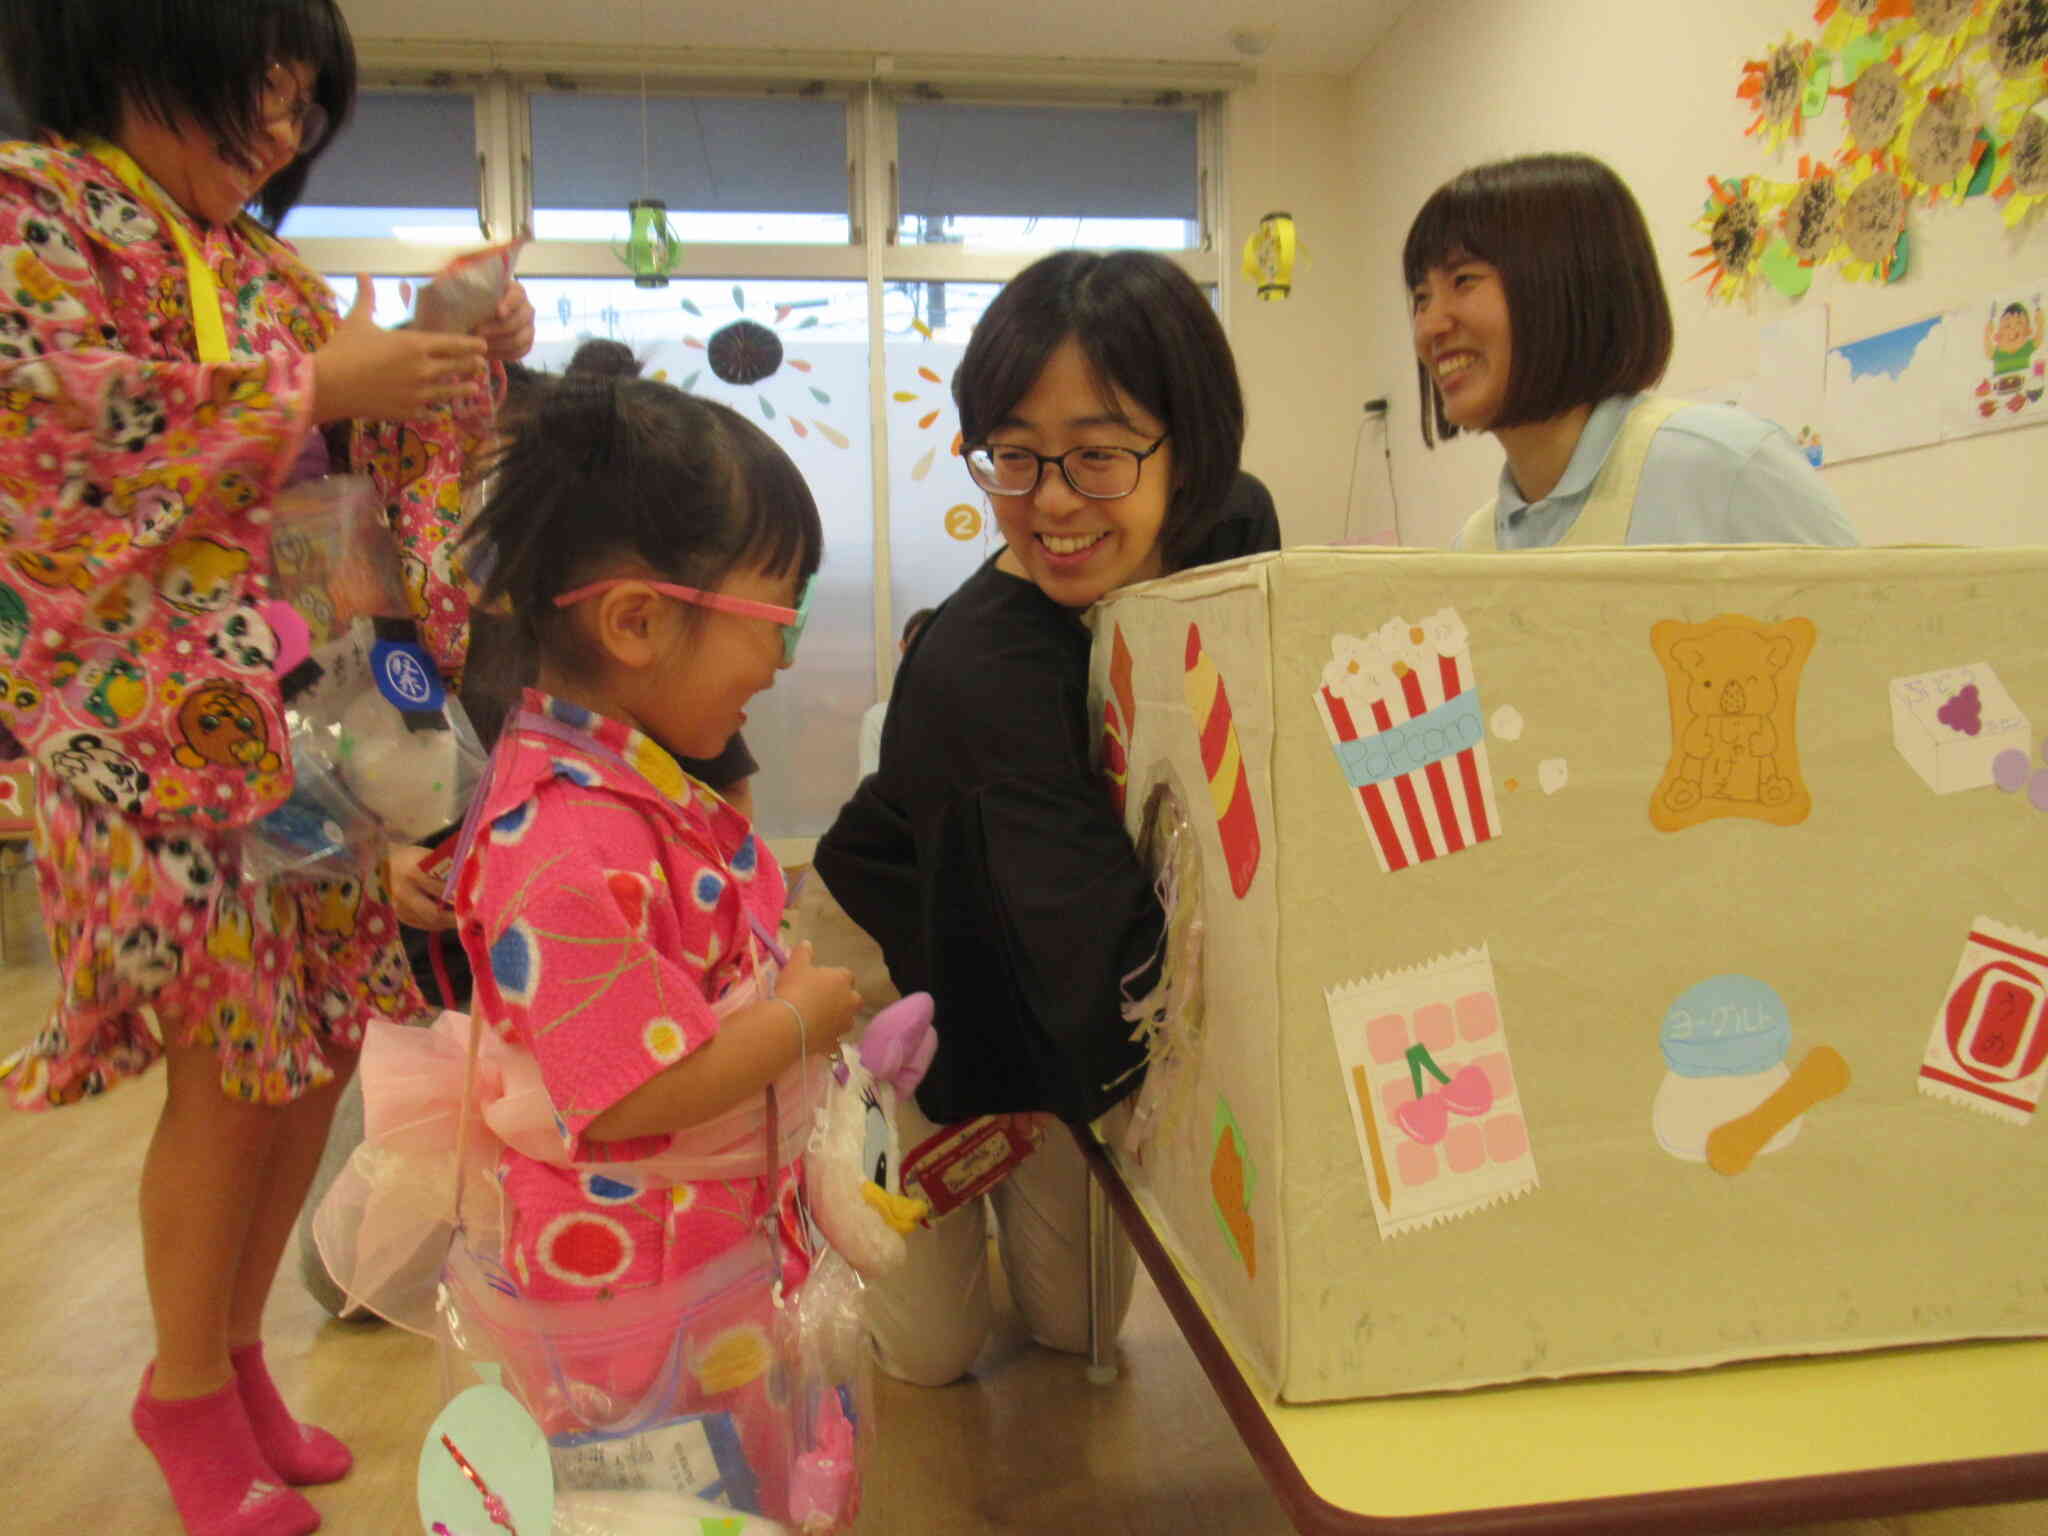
{"x": 1269, "y": 256}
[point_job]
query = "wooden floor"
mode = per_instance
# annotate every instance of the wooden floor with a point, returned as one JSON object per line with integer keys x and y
{"x": 1024, "y": 1445}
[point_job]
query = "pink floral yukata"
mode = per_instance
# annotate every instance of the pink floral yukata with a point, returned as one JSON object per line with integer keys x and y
{"x": 136, "y": 663}
{"x": 607, "y": 906}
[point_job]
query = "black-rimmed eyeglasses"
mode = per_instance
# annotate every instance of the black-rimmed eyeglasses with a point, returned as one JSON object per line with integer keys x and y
{"x": 1101, "y": 474}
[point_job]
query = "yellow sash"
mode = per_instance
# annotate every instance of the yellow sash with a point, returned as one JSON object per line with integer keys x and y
{"x": 208, "y": 328}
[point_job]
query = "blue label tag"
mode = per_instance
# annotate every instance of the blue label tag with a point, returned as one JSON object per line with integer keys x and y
{"x": 405, "y": 675}
{"x": 1429, "y": 738}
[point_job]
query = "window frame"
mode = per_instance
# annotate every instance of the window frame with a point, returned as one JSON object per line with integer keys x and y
{"x": 501, "y": 78}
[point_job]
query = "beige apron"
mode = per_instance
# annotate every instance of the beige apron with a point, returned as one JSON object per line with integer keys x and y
{"x": 1606, "y": 515}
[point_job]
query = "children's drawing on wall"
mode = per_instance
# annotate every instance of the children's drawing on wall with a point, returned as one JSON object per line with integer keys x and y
{"x": 1727, "y": 1097}
{"x": 1988, "y": 1049}
{"x": 1434, "y": 1101}
{"x": 1790, "y": 383}
{"x": 1402, "y": 709}
{"x": 1885, "y": 392}
{"x": 1733, "y": 685}
{"x": 2011, "y": 365}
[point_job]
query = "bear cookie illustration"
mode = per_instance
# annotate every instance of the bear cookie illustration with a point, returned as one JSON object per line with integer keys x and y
{"x": 1733, "y": 684}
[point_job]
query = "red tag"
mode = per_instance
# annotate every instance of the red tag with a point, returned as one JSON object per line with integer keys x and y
{"x": 440, "y": 864}
{"x": 959, "y": 1163}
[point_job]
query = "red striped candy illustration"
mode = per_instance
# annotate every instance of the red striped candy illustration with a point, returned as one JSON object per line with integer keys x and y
{"x": 1229, "y": 790}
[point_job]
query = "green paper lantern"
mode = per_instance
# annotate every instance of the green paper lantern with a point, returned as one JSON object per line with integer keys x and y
{"x": 652, "y": 249}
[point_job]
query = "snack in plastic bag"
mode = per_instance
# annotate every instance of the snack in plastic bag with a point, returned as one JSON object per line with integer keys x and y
{"x": 465, "y": 292}
{"x": 333, "y": 557}
{"x": 381, "y": 752}
{"x": 612, "y": 1512}
{"x": 834, "y": 1405}
{"x": 677, "y": 1388}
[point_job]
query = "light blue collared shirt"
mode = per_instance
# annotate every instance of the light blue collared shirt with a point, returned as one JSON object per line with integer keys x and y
{"x": 1713, "y": 475}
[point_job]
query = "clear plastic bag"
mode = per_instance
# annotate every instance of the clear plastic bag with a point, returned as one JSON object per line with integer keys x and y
{"x": 680, "y": 1389}
{"x": 381, "y": 750}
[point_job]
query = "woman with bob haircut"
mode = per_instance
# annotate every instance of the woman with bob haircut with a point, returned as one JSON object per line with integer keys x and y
{"x": 1539, "y": 315}
{"x": 1100, "y": 414}
{"x": 171, "y": 368}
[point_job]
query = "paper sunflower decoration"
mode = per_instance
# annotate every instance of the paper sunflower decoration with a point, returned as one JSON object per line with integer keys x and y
{"x": 1944, "y": 145}
{"x": 1878, "y": 101}
{"x": 1812, "y": 220}
{"x": 2019, "y": 38}
{"x": 1874, "y": 229}
{"x": 2023, "y": 160}
{"x": 1842, "y": 21}
{"x": 1939, "y": 34}
{"x": 1776, "y": 86}
{"x": 1733, "y": 222}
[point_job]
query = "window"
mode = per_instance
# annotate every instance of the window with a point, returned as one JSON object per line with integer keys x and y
{"x": 405, "y": 168}
{"x": 1091, "y": 177}
{"x": 736, "y": 171}
{"x": 863, "y": 230}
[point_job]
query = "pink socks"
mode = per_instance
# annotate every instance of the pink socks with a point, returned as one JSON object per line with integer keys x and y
{"x": 218, "y": 1477}
{"x": 297, "y": 1452}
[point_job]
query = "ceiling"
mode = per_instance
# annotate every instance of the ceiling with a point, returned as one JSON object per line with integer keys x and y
{"x": 1317, "y": 36}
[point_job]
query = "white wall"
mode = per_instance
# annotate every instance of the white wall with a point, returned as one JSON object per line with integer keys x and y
{"x": 1288, "y": 147}
{"x": 1650, "y": 88}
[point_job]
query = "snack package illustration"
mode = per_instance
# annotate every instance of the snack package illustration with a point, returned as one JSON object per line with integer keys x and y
{"x": 1402, "y": 709}
{"x": 1953, "y": 725}
{"x": 1223, "y": 760}
{"x": 1988, "y": 1050}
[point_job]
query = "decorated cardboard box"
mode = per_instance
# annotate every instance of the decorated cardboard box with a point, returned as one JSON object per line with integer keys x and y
{"x": 1591, "y": 961}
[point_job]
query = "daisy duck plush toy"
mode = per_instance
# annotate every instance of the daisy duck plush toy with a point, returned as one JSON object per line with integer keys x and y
{"x": 852, "y": 1174}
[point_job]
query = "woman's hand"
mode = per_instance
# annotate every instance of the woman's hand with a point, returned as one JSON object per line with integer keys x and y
{"x": 365, "y": 372}
{"x": 417, "y": 896}
{"x": 508, "y": 334}
{"x": 823, "y": 994}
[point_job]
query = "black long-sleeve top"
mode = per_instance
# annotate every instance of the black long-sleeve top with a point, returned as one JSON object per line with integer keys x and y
{"x": 986, "y": 860}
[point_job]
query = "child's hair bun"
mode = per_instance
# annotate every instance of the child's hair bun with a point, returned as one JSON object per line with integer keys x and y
{"x": 601, "y": 357}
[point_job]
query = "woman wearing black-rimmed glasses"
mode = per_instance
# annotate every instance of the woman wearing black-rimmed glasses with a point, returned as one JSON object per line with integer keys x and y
{"x": 1101, "y": 414}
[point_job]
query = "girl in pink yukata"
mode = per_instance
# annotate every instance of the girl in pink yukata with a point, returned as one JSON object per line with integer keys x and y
{"x": 618, "y": 915}
{"x": 168, "y": 367}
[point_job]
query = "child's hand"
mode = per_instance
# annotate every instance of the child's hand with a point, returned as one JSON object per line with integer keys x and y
{"x": 508, "y": 334}
{"x": 823, "y": 994}
{"x": 378, "y": 375}
{"x": 415, "y": 894}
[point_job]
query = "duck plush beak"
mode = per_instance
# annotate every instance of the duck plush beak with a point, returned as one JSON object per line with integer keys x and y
{"x": 901, "y": 1212}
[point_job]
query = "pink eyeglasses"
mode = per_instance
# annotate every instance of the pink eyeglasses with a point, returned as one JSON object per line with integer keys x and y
{"x": 792, "y": 620}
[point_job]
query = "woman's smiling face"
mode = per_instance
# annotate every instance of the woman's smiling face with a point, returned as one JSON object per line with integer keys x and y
{"x": 1076, "y": 549}
{"x": 1465, "y": 339}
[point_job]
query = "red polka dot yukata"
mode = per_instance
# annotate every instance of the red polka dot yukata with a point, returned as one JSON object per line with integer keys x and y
{"x": 136, "y": 663}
